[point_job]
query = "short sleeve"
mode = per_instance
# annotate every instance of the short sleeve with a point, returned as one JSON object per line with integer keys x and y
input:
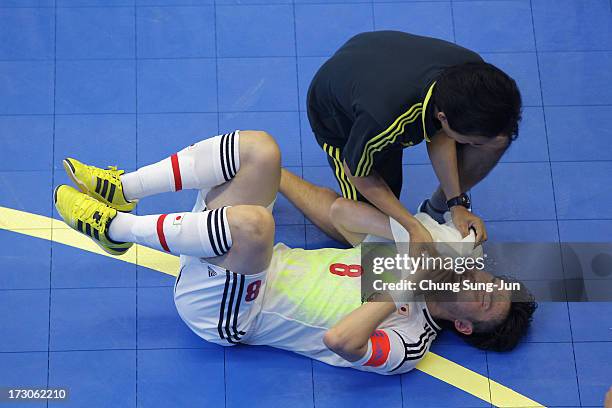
{"x": 358, "y": 152}
{"x": 392, "y": 351}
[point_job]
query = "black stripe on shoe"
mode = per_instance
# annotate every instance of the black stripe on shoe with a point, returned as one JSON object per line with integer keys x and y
{"x": 67, "y": 161}
{"x": 98, "y": 184}
{"x": 88, "y": 230}
{"x": 104, "y": 188}
{"x": 111, "y": 193}
{"x": 80, "y": 225}
{"x": 96, "y": 234}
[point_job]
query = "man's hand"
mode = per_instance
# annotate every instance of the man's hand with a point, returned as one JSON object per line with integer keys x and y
{"x": 376, "y": 190}
{"x": 420, "y": 240}
{"x": 608, "y": 402}
{"x": 465, "y": 220}
{"x": 418, "y": 233}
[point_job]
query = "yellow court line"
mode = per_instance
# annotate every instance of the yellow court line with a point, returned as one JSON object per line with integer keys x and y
{"x": 439, "y": 367}
{"x": 57, "y": 231}
{"x": 474, "y": 383}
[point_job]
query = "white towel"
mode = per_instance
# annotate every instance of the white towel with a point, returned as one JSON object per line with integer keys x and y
{"x": 446, "y": 236}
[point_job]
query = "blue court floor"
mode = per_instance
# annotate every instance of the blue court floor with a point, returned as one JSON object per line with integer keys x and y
{"x": 128, "y": 82}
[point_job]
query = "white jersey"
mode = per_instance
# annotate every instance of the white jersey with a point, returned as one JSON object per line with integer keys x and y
{"x": 297, "y": 299}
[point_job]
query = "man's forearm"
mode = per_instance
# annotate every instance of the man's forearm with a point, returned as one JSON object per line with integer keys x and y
{"x": 442, "y": 152}
{"x": 380, "y": 195}
{"x": 349, "y": 337}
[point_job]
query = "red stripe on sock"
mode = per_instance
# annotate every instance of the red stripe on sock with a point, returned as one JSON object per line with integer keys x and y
{"x": 160, "y": 232}
{"x": 178, "y": 183}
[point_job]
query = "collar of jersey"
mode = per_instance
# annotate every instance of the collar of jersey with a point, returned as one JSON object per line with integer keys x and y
{"x": 424, "y": 111}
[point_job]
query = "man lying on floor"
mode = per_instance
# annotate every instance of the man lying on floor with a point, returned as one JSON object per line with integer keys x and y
{"x": 236, "y": 286}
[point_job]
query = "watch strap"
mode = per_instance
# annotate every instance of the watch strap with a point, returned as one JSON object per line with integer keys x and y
{"x": 462, "y": 200}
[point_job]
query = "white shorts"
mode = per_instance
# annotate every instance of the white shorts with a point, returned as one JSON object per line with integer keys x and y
{"x": 217, "y": 304}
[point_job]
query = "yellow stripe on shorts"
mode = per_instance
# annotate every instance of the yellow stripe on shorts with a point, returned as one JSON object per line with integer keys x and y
{"x": 348, "y": 189}
{"x": 387, "y": 136}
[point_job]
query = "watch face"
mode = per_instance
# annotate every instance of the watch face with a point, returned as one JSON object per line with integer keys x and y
{"x": 465, "y": 200}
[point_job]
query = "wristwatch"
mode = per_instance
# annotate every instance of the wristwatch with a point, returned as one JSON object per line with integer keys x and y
{"x": 462, "y": 200}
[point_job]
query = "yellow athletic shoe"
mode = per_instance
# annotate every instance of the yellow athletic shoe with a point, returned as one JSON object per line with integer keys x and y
{"x": 103, "y": 185}
{"x": 88, "y": 216}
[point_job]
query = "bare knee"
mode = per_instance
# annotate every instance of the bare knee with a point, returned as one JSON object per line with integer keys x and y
{"x": 252, "y": 229}
{"x": 251, "y": 226}
{"x": 340, "y": 209}
{"x": 259, "y": 149}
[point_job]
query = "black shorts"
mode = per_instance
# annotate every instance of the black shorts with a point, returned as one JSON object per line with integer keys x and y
{"x": 390, "y": 170}
{"x": 328, "y": 133}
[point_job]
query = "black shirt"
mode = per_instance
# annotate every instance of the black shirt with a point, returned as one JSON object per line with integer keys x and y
{"x": 372, "y": 95}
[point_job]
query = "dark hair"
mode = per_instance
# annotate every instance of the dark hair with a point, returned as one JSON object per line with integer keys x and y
{"x": 479, "y": 99}
{"x": 505, "y": 335}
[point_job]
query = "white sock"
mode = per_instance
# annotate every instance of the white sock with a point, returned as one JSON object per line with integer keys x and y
{"x": 203, "y": 234}
{"x": 200, "y": 166}
{"x": 120, "y": 228}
